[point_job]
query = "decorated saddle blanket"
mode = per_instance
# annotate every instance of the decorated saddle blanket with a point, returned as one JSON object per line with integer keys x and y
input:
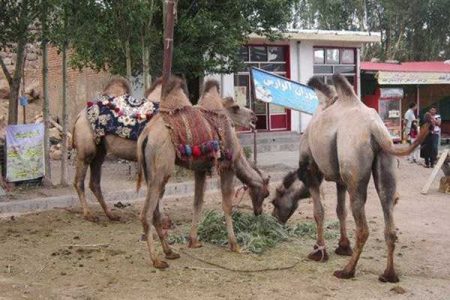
{"x": 123, "y": 116}
{"x": 193, "y": 136}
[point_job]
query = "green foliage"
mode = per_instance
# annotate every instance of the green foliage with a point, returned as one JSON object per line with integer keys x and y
{"x": 254, "y": 233}
{"x": 410, "y": 29}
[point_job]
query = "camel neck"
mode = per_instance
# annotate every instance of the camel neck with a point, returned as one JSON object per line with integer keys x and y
{"x": 246, "y": 173}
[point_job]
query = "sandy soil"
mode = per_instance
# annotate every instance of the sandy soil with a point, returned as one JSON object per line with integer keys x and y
{"x": 57, "y": 255}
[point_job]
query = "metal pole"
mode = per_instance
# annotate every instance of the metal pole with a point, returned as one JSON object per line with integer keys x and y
{"x": 168, "y": 43}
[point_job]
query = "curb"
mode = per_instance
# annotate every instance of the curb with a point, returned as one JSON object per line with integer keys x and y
{"x": 182, "y": 189}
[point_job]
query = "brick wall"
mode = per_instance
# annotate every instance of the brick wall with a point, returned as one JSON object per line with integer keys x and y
{"x": 82, "y": 86}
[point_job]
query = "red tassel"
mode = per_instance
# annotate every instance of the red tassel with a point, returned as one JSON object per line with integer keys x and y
{"x": 117, "y": 110}
{"x": 196, "y": 151}
{"x": 89, "y": 103}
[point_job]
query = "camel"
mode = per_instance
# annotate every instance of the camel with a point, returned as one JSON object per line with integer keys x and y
{"x": 350, "y": 142}
{"x": 157, "y": 158}
{"x": 92, "y": 155}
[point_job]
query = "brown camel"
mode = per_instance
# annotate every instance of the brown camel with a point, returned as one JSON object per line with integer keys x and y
{"x": 157, "y": 158}
{"x": 350, "y": 142}
{"x": 91, "y": 154}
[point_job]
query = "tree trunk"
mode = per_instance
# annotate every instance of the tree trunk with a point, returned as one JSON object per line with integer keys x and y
{"x": 64, "y": 117}
{"x": 128, "y": 59}
{"x": 145, "y": 64}
{"x": 14, "y": 85}
{"x": 46, "y": 113}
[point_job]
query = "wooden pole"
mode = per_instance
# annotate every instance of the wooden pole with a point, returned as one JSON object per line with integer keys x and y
{"x": 46, "y": 112}
{"x": 168, "y": 43}
{"x": 63, "y": 181}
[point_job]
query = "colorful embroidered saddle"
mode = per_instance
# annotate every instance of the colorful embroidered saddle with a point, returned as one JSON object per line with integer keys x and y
{"x": 192, "y": 134}
{"x": 123, "y": 116}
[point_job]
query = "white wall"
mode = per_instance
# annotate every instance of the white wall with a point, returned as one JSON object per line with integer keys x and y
{"x": 306, "y": 71}
{"x": 226, "y": 83}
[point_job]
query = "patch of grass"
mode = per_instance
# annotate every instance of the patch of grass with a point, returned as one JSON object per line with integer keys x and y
{"x": 254, "y": 233}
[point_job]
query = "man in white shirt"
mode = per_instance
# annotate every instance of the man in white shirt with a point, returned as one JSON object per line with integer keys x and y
{"x": 409, "y": 117}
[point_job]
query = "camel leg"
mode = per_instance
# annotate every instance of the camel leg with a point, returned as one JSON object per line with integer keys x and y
{"x": 200, "y": 177}
{"x": 147, "y": 214}
{"x": 94, "y": 183}
{"x": 319, "y": 253}
{"x": 385, "y": 184}
{"x": 344, "y": 247}
{"x": 226, "y": 185}
{"x": 358, "y": 200}
{"x": 80, "y": 176}
{"x": 169, "y": 253}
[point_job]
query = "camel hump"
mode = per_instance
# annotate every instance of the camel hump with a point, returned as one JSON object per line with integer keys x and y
{"x": 174, "y": 83}
{"x": 317, "y": 84}
{"x": 211, "y": 83}
{"x": 117, "y": 86}
{"x": 344, "y": 89}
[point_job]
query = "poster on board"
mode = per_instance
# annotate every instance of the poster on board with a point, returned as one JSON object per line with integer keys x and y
{"x": 24, "y": 152}
{"x": 281, "y": 91}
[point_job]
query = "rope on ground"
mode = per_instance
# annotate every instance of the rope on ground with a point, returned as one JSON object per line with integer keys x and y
{"x": 237, "y": 270}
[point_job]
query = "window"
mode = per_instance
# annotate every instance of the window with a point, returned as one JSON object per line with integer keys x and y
{"x": 328, "y": 61}
{"x": 269, "y": 58}
{"x": 332, "y": 56}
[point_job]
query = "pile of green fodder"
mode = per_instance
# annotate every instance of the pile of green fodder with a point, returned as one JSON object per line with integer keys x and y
{"x": 254, "y": 233}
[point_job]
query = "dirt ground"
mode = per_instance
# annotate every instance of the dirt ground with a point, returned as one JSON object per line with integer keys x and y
{"x": 57, "y": 255}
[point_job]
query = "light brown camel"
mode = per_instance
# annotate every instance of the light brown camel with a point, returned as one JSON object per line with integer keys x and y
{"x": 157, "y": 159}
{"x": 92, "y": 155}
{"x": 345, "y": 142}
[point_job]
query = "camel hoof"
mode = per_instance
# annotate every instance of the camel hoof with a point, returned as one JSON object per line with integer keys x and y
{"x": 160, "y": 264}
{"x": 344, "y": 250}
{"x": 194, "y": 243}
{"x": 389, "y": 277}
{"x": 91, "y": 218}
{"x": 113, "y": 217}
{"x": 235, "y": 248}
{"x": 344, "y": 274}
{"x": 172, "y": 255}
{"x": 318, "y": 255}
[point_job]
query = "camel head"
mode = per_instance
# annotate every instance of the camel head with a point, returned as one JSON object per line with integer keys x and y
{"x": 259, "y": 192}
{"x": 241, "y": 116}
{"x": 287, "y": 196}
{"x": 116, "y": 87}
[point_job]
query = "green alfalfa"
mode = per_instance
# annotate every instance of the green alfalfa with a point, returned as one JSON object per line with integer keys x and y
{"x": 254, "y": 233}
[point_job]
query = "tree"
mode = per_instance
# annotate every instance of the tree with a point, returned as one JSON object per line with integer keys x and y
{"x": 208, "y": 34}
{"x": 410, "y": 29}
{"x": 17, "y": 18}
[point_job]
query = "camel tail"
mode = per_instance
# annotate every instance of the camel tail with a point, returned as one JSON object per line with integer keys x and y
{"x": 141, "y": 165}
{"x": 384, "y": 140}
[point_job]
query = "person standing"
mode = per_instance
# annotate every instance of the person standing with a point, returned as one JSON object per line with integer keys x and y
{"x": 426, "y": 150}
{"x": 413, "y": 132}
{"x": 436, "y": 134}
{"x": 410, "y": 116}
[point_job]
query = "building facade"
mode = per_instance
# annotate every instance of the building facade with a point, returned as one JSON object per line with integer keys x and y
{"x": 298, "y": 56}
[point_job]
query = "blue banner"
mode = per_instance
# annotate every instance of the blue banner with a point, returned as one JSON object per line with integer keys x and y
{"x": 281, "y": 91}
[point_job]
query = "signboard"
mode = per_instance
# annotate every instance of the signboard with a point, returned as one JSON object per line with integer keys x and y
{"x": 391, "y": 93}
{"x": 24, "y": 152}
{"x": 280, "y": 91}
{"x": 413, "y": 78}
